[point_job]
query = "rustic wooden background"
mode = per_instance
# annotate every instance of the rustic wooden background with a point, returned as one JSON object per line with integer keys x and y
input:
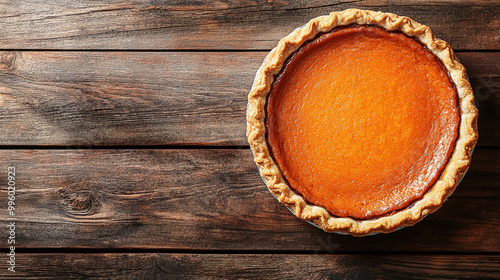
{"x": 125, "y": 121}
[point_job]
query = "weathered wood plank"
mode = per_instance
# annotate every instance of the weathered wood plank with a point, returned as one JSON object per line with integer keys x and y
{"x": 116, "y": 24}
{"x": 211, "y": 199}
{"x": 117, "y": 98}
{"x": 248, "y": 266}
{"x": 157, "y": 98}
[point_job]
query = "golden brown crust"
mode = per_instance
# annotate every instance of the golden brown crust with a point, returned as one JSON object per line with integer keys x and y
{"x": 271, "y": 174}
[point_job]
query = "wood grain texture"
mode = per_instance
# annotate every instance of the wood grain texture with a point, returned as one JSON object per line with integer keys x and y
{"x": 117, "y": 24}
{"x": 120, "y": 98}
{"x": 159, "y": 98}
{"x": 248, "y": 266}
{"x": 212, "y": 199}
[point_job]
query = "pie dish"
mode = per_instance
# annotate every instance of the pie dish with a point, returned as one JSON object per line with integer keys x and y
{"x": 361, "y": 122}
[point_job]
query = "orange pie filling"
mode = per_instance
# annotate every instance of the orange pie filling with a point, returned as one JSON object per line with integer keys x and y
{"x": 362, "y": 121}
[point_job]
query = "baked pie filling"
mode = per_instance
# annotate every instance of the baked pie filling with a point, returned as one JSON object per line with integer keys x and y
{"x": 362, "y": 121}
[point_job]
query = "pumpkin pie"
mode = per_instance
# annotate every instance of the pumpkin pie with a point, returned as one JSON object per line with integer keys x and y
{"x": 361, "y": 122}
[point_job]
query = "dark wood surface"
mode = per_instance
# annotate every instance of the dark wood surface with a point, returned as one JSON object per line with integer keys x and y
{"x": 228, "y": 25}
{"x": 238, "y": 266}
{"x": 125, "y": 121}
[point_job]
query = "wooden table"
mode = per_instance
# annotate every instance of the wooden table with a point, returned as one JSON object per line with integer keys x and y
{"x": 125, "y": 123}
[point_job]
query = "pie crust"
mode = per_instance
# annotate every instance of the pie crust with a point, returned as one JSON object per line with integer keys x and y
{"x": 272, "y": 175}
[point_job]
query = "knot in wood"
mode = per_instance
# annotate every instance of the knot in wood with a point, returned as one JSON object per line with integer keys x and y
{"x": 80, "y": 202}
{"x": 7, "y": 60}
